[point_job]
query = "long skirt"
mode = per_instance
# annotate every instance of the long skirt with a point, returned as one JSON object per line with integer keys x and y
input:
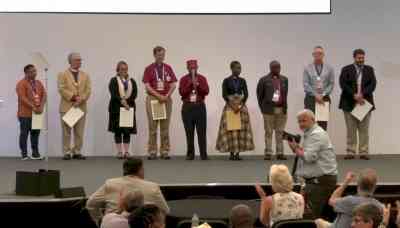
{"x": 238, "y": 140}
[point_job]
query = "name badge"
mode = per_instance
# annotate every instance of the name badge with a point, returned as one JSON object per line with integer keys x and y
{"x": 168, "y": 78}
{"x": 276, "y": 96}
{"x": 193, "y": 97}
{"x": 160, "y": 85}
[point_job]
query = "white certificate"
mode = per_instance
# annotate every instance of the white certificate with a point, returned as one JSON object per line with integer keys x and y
{"x": 126, "y": 117}
{"x": 158, "y": 110}
{"x": 72, "y": 116}
{"x": 322, "y": 111}
{"x": 360, "y": 111}
{"x": 38, "y": 121}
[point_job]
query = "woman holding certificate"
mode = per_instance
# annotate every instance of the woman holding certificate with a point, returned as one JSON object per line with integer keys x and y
{"x": 122, "y": 108}
{"x": 235, "y": 134}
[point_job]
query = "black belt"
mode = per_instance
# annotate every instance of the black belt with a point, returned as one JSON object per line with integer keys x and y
{"x": 321, "y": 179}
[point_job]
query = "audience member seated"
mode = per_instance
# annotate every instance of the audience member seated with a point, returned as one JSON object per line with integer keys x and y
{"x": 241, "y": 216}
{"x": 344, "y": 206}
{"x": 129, "y": 200}
{"x": 106, "y": 197}
{"x": 367, "y": 215}
{"x": 284, "y": 204}
{"x": 147, "y": 216}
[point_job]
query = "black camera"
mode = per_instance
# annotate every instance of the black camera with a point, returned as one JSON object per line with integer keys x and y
{"x": 291, "y": 137}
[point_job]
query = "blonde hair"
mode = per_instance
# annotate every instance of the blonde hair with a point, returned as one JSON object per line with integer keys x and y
{"x": 280, "y": 179}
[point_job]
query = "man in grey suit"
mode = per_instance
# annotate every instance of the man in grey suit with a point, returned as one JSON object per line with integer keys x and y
{"x": 272, "y": 90}
{"x": 318, "y": 82}
{"x": 107, "y": 196}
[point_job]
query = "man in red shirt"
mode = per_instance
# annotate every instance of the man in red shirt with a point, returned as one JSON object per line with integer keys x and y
{"x": 160, "y": 82}
{"x": 31, "y": 98}
{"x": 193, "y": 88}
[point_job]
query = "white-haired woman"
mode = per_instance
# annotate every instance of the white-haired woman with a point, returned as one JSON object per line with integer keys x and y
{"x": 284, "y": 204}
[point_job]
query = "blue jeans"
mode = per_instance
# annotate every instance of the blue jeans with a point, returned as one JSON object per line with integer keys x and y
{"x": 25, "y": 130}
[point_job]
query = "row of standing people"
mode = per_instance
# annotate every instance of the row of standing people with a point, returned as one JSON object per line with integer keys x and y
{"x": 357, "y": 82}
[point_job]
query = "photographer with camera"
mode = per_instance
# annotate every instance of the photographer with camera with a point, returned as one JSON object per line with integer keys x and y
{"x": 316, "y": 164}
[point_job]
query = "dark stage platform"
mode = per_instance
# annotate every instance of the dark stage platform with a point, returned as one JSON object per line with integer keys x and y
{"x": 92, "y": 172}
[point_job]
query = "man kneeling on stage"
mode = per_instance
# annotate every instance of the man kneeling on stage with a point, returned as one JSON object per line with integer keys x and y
{"x": 317, "y": 163}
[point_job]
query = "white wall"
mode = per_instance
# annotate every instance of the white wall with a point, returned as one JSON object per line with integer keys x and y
{"x": 214, "y": 40}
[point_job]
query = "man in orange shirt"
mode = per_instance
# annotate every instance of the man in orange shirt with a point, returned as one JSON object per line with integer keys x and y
{"x": 31, "y": 98}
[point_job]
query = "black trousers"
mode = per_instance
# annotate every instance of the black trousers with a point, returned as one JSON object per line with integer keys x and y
{"x": 122, "y": 135}
{"x": 317, "y": 194}
{"x": 194, "y": 116}
{"x": 309, "y": 103}
{"x": 25, "y": 124}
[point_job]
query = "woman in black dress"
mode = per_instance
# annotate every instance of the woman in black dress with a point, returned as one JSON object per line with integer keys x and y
{"x": 123, "y": 91}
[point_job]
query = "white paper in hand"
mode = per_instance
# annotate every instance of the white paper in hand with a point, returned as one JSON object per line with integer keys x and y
{"x": 360, "y": 111}
{"x": 38, "y": 121}
{"x": 72, "y": 116}
{"x": 322, "y": 111}
{"x": 126, "y": 117}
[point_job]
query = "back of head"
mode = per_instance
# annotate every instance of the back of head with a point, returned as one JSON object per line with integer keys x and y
{"x": 367, "y": 182}
{"x": 145, "y": 216}
{"x": 369, "y": 213}
{"x": 132, "y": 166}
{"x": 281, "y": 179}
{"x": 132, "y": 199}
{"x": 241, "y": 216}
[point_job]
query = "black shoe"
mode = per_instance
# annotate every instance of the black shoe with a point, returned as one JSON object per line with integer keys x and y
{"x": 189, "y": 158}
{"x": 36, "y": 156}
{"x": 349, "y": 157}
{"x": 267, "y": 157}
{"x": 364, "y": 157}
{"x": 205, "y": 158}
{"x": 237, "y": 157}
{"x": 281, "y": 157}
{"x": 152, "y": 157}
{"x": 165, "y": 157}
{"x": 67, "y": 157}
{"x": 232, "y": 157}
{"x": 78, "y": 157}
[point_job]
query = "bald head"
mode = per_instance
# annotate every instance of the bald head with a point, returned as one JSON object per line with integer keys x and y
{"x": 306, "y": 119}
{"x": 241, "y": 217}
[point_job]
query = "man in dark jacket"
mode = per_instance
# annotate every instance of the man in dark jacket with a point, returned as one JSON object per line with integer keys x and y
{"x": 272, "y": 91}
{"x": 358, "y": 84}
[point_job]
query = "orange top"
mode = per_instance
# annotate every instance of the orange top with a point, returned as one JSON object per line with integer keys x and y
{"x": 30, "y": 93}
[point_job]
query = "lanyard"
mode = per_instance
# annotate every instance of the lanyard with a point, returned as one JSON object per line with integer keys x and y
{"x": 158, "y": 76}
{"x": 279, "y": 83}
{"x": 319, "y": 70}
{"x": 359, "y": 71}
{"x": 33, "y": 86}
{"x": 125, "y": 82}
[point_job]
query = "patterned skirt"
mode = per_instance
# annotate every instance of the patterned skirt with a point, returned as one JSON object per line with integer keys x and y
{"x": 238, "y": 140}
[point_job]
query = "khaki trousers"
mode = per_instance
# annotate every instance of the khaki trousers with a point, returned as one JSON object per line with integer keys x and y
{"x": 153, "y": 126}
{"x": 355, "y": 126}
{"x": 78, "y": 131}
{"x": 275, "y": 122}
